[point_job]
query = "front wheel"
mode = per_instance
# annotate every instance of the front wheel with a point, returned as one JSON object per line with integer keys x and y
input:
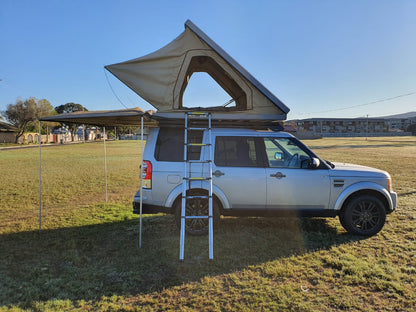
{"x": 363, "y": 215}
{"x": 197, "y": 207}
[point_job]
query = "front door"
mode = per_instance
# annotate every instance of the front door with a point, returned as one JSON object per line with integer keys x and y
{"x": 291, "y": 184}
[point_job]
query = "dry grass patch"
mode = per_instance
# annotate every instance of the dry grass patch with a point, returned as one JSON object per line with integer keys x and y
{"x": 88, "y": 258}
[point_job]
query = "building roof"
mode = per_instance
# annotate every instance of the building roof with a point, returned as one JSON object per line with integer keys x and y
{"x": 6, "y": 127}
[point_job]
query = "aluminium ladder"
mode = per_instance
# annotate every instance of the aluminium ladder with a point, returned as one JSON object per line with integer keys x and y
{"x": 192, "y": 118}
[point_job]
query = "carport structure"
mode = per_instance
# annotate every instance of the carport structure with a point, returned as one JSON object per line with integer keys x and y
{"x": 161, "y": 78}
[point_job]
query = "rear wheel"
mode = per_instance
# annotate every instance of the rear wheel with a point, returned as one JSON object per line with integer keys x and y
{"x": 197, "y": 207}
{"x": 363, "y": 215}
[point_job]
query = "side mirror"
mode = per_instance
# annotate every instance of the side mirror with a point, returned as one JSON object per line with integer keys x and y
{"x": 278, "y": 156}
{"x": 314, "y": 163}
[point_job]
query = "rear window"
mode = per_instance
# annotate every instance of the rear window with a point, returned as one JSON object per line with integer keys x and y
{"x": 170, "y": 144}
{"x": 236, "y": 152}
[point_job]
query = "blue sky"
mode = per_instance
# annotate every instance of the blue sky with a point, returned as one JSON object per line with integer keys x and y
{"x": 319, "y": 57}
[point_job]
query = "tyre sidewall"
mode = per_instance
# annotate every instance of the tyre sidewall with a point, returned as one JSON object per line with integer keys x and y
{"x": 178, "y": 210}
{"x": 346, "y": 216}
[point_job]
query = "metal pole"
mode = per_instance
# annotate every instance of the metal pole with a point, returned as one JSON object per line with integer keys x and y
{"x": 141, "y": 185}
{"x": 105, "y": 169}
{"x": 40, "y": 180}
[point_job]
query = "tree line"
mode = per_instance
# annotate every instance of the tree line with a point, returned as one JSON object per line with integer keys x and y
{"x": 24, "y": 113}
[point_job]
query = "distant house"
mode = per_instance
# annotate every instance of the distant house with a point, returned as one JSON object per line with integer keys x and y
{"x": 7, "y": 132}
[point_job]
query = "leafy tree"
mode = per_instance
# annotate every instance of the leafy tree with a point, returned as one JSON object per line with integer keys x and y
{"x": 44, "y": 108}
{"x": 22, "y": 114}
{"x": 70, "y": 108}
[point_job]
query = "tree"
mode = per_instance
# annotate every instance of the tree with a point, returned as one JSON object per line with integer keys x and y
{"x": 70, "y": 108}
{"x": 21, "y": 114}
{"x": 44, "y": 108}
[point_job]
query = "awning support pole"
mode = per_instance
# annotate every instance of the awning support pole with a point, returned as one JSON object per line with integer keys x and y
{"x": 141, "y": 184}
{"x": 40, "y": 179}
{"x": 105, "y": 169}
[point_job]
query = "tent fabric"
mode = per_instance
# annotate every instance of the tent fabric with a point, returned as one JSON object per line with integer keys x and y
{"x": 161, "y": 77}
{"x": 123, "y": 117}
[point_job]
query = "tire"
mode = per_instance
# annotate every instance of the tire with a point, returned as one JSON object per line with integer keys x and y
{"x": 196, "y": 207}
{"x": 363, "y": 215}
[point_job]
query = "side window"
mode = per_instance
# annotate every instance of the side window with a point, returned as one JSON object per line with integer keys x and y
{"x": 170, "y": 141}
{"x": 284, "y": 153}
{"x": 236, "y": 152}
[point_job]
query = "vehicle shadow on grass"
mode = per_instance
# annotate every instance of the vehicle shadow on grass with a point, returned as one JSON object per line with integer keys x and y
{"x": 86, "y": 263}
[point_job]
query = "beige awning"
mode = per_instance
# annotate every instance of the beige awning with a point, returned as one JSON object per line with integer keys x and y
{"x": 162, "y": 76}
{"x": 123, "y": 117}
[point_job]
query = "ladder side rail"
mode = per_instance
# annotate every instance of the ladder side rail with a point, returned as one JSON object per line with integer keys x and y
{"x": 184, "y": 189}
{"x": 210, "y": 200}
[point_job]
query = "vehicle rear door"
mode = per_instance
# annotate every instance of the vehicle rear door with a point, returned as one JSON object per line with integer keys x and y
{"x": 238, "y": 170}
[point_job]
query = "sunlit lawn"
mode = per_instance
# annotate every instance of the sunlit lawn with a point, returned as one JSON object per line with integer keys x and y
{"x": 87, "y": 258}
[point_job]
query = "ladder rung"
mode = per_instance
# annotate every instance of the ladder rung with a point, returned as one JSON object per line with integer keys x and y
{"x": 198, "y": 113}
{"x": 196, "y": 217}
{"x": 197, "y": 144}
{"x": 198, "y": 161}
{"x": 200, "y": 129}
{"x": 197, "y": 196}
{"x": 197, "y": 178}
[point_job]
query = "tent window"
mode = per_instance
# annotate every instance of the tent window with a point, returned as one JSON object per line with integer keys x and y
{"x": 205, "y": 64}
{"x": 203, "y": 91}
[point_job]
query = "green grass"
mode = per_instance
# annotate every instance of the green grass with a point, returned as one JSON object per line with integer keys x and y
{"x": 87, "y": 256}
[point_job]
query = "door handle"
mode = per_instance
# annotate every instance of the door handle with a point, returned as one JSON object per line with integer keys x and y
{"x": 278, "y": 175}
{"x": 217, "y": 173}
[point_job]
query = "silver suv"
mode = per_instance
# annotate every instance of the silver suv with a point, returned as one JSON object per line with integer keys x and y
{"x": 261, "y": 173}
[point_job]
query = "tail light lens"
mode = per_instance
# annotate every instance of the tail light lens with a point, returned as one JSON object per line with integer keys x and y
{"x": 147, "y": 174}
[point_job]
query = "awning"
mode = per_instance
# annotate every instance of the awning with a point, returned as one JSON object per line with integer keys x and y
{"x": 123, "y": 117}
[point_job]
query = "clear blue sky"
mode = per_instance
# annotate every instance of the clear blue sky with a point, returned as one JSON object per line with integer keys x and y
{"x": 316, "y": 56}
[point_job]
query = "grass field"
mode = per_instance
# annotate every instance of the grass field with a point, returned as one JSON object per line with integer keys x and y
{"x": 87, "y": 258}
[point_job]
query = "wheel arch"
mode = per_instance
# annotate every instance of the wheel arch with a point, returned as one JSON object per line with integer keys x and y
{"x": 364, "y": 188}
{"x": 176, "y": 194}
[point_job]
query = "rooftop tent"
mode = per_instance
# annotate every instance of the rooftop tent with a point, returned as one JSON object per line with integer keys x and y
{"x": 162, "y": 76}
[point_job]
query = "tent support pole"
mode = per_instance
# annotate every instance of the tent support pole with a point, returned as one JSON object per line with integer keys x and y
{"x": 105, "y": 169}
{"x": 40, "y": 179}
{"x": 141, "y": 183}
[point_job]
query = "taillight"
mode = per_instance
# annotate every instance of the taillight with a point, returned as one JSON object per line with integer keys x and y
{"x": 147, "y": 174}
